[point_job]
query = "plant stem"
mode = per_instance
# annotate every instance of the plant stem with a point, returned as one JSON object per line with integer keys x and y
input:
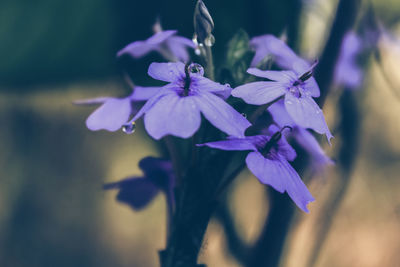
{"x": 210, "y": 62}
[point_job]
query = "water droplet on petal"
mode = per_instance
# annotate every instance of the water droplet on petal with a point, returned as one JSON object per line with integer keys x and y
{"x": 289, "y": 102}
{"x": 210, "y": 40}
{"x": 194, "y": 39}
{"x": 227, "y": 85}
{"x": 196, "y": 68}
{"x": 129, "y": 128}
{"x": 244, "y": 115}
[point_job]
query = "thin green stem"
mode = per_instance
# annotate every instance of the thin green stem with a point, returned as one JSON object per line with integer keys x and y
{"x": 210, "y": 62}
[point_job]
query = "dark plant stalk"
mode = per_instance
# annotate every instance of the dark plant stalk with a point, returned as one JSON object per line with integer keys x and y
{"x": 349, "y": 133}
{"x": 278, "y": 224}
{"x": 346, "y": 15}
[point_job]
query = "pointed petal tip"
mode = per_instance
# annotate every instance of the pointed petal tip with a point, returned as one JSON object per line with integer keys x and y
{"x": 305, "y": 208}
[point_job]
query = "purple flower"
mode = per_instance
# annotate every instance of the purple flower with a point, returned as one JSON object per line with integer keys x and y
{"x": 347, "y": 70}
{"x": 319, "y": 159}
{"x": 285, "y": 58}
{"x": 138, "y": 192}
{"x": 115, "y": 112}
{"x": 175, "y": 110}
{"x": 298, "y": 92}
{"x": 170, "y": 46}
{"x": 268, "y": 161}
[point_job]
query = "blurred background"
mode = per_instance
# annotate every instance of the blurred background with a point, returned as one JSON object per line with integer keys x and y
{"x": 53, "y": 211}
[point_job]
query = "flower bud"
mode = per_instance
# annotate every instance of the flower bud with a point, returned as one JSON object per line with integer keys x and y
{"x": 203, "y": 23}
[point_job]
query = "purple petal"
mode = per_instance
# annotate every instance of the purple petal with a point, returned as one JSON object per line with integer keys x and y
{"x": 200, "y": 83}
{"x": 260, "y": 54}
{"x": 347, "y": 72}
{"x": 160, "y": 37}
{"x": 184, "y": 41}
{"x": 311, "y": 145}
{"x": 284, "y": 56}
{"x": 279, "y": 76}
{"x": 232, "y": 144}
{"x": 284, "y": 148}
{"x": 168, "y": 72}
{"x": 174, "y": 115}
{"x": 144, "y": 93}
{"x": 150, "y": 103}
{"x": 136, "y": 192}
{"x": 221, "y": 115}
{"x": 311, "y": 86}
{"x": 111, "y": 115}
{"x": 280, "y": 115}
{"x": 159, "y": 171}
{"x": 307, "y": 114}
{"x": 137, "y": 49}
{"x": 178, "y": 46}
{"x": 92, "y": 101}
{"x": 259, "y": 93}
{"x": 279, "y": 174}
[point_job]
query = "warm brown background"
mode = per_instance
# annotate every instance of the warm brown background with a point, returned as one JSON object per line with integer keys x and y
{"x": 52, "y": 209}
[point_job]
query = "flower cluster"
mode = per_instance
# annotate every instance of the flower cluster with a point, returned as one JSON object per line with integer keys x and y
{"x": 177, "y": 107}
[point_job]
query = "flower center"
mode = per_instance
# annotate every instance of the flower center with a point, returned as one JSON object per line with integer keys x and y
{"x": 294, "y": 89}
{"x": 272, "y": 142}
{"x": 190, "y": 69}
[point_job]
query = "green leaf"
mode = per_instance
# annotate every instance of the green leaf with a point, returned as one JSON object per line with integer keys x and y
{"x": 238, "y": 58}
{"x": 238, "y": 46}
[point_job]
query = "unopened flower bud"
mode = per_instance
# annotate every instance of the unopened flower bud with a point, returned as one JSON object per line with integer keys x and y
{"x": 203, "y": 23}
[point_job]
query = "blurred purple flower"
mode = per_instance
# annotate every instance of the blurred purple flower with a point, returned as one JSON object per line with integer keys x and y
{"x": 347, "y": 71}
{"x": 138, "y": 192}
{"x": 170, "y": 46}
{"x": 268, "y": 161}
{"x": 115, "y": 112}
{"x": 284, "y": 57}
{"x": 298, "y": 92}
{"x": 175, "y": 110}
{"x": 319, "y": 159}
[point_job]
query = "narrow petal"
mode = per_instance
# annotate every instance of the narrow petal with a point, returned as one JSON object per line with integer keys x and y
{"x": 279, "y": 76}
{"x": 200, "y": 83}
{"x": 111, "y": 115}
{"x": 232, "y": 144}
{"x": 92, "y": 101}
{"x": 150, "y": 103}
{"x": 168, "y": 72}
{"x": 280, "y": 115}
{"x": 135, "y": 192}
{"x": 265, "y": 170}
{"x": 319, "y": 159}
{"x": 307, "y": 114}
{"x": 159, "y": 171}
{"x": 160, "y": 37}
{"x": 258, "y": 57}
{"x": 311, "y": 86}
{"x": 137, "y": 49}
{"x": 178, "y": 46}
{"x": 144, "y": 93}
{"x": 284, "y": 148}
{"x": 174, "y": 115}
{"x": 221, "y": 115}
{"x": 259, "y": 93}
{"x": 285, "y": 58}
{"x": 281, "y": 176}
{"x": 184, "y": 41}
{"x": 178, "y": 50}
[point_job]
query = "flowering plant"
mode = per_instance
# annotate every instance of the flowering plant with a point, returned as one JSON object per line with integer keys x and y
{"x": 213, "y": 131}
